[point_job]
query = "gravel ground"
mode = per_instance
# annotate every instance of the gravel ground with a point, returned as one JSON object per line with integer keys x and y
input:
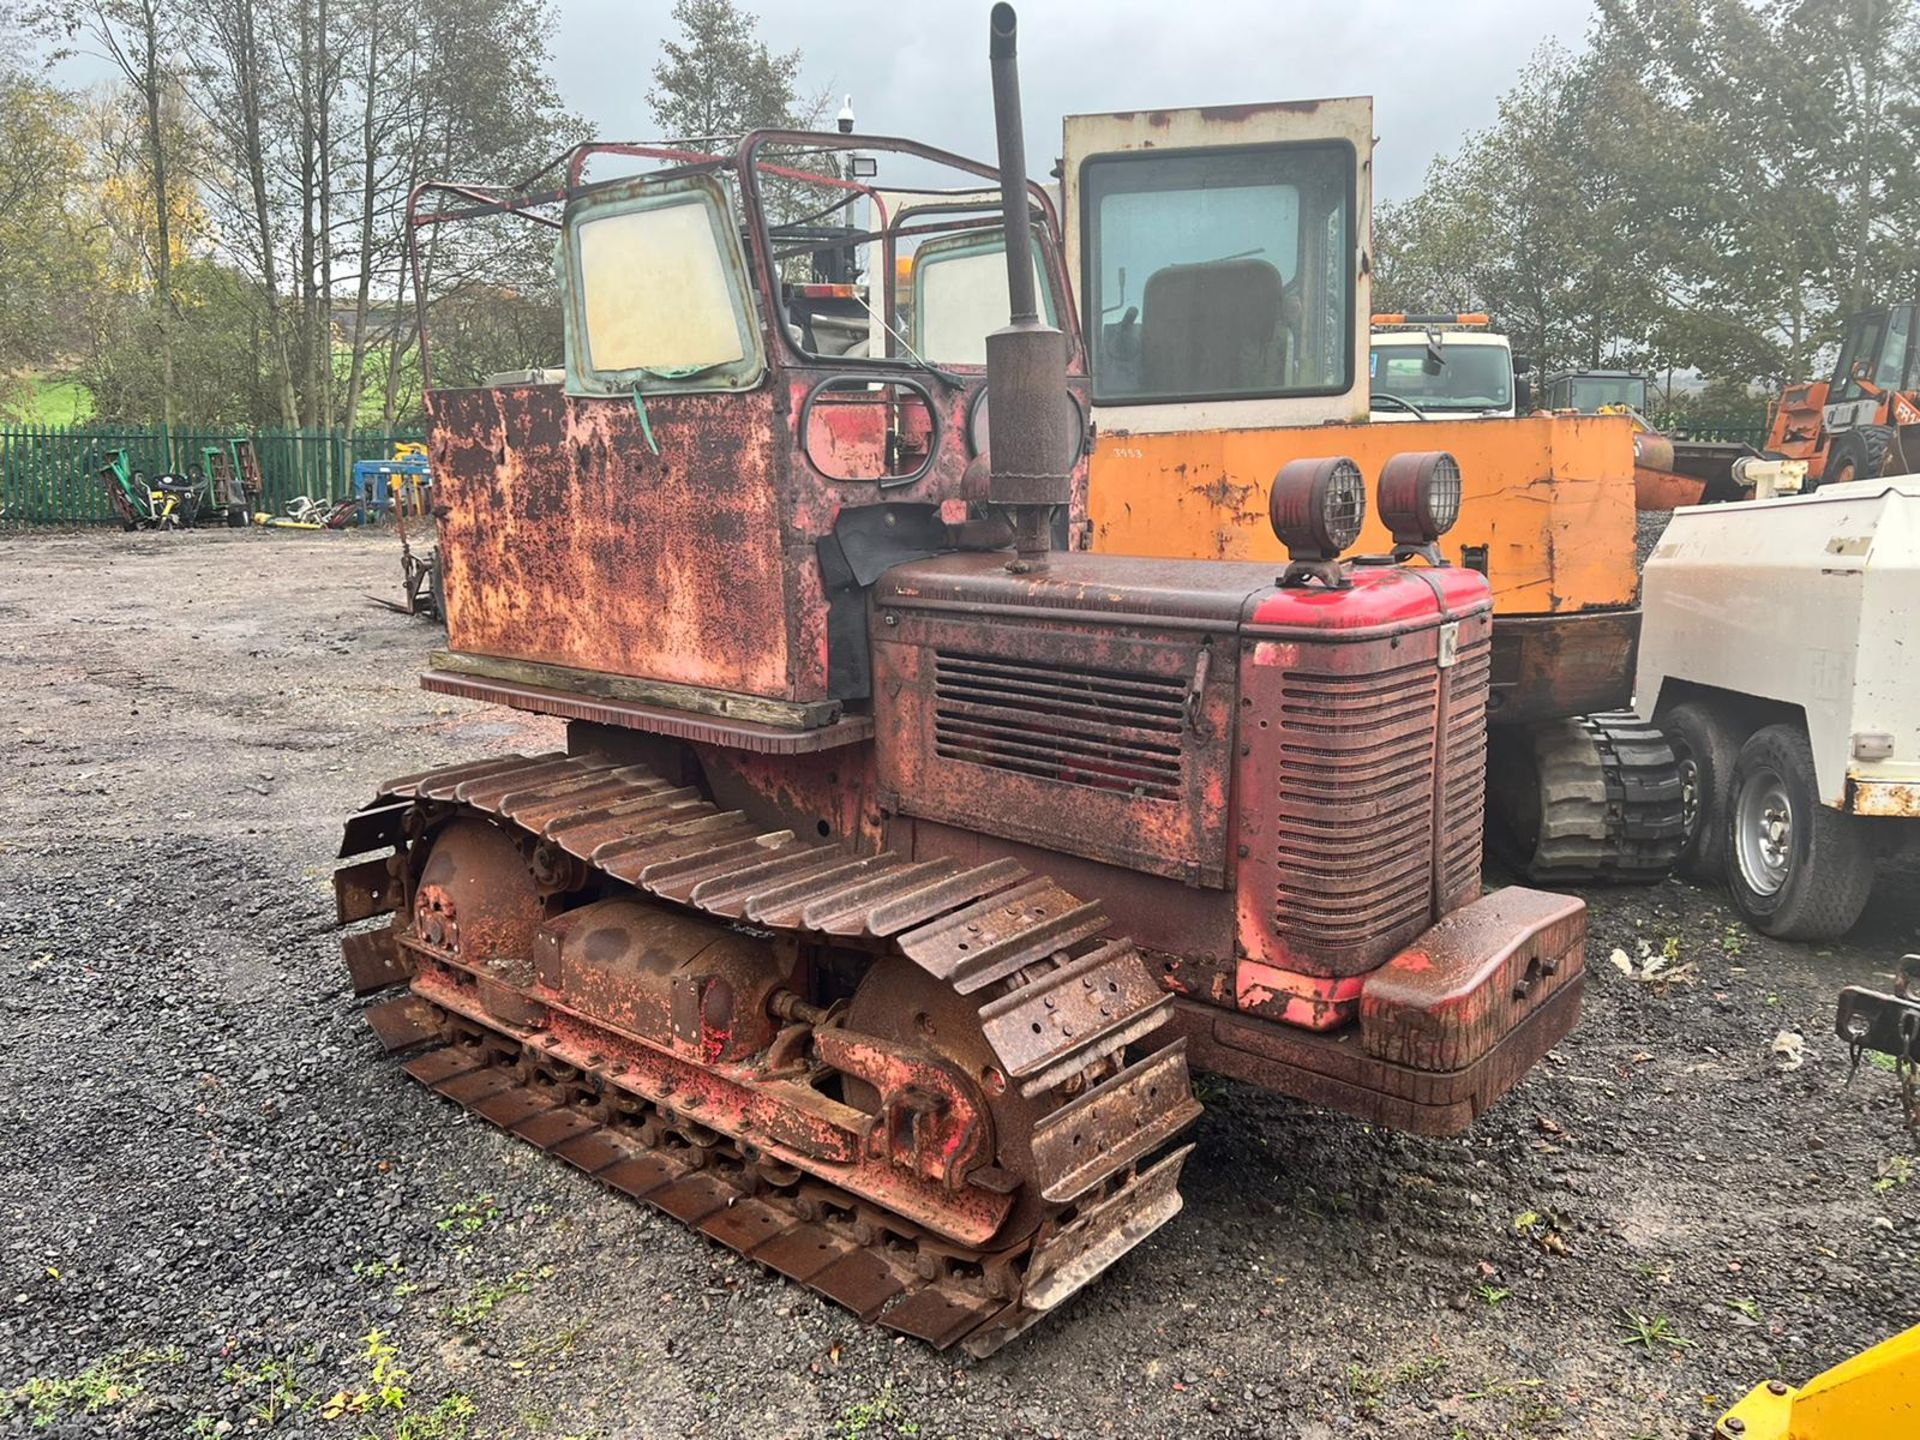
{"x": 216, "y": 1190}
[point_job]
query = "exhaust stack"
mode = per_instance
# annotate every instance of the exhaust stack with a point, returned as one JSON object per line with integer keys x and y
{"x": 1031, "y": 445}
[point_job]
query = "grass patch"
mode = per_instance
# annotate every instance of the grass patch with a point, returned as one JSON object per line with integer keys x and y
{"x": 103, "y": 1385}
{"x": 875, "y": 1417}
{"x": 487, "y": 1294}
{"x": 1650, "y": 1332}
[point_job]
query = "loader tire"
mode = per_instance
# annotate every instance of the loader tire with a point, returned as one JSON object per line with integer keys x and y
{"x": 1796, "y": 869}
{"x": 1858, "y": 454}
{"x": 1705, "y": 749}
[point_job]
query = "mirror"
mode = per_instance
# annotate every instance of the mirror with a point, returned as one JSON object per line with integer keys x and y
{"x": 853, "y": 428}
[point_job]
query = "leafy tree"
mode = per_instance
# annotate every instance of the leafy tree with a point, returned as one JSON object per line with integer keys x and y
{"x": 1711, "y": 184}
{"x": 719, "y": 79}
{"x": 43, "y": 264}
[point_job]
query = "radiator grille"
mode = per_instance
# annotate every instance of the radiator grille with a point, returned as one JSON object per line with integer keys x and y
{"x": 1354, "y": 806}
{"x": 1104, "y": 729}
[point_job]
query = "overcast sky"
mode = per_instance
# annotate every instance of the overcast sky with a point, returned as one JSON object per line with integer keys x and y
{"x": 920, "y": 69}
{"x": 917, "y": 68}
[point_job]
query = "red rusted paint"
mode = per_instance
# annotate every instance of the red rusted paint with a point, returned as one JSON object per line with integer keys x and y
{"x": 790, "y": 1123}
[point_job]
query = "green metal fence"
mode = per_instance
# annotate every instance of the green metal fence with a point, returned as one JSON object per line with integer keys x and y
{"x": 1737, "y": 432}
{"x": 50, "y": 475}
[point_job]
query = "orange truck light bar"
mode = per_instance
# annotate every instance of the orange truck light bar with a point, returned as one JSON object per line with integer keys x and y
{"x": 1396, "y": 318}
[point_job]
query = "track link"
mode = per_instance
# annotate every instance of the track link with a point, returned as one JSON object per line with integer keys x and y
{"x": 1606, "y": 804}
{"x": 1057, "y": 1003}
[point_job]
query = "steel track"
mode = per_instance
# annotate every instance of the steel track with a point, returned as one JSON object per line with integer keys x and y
{"x": 1057, "y": 1002}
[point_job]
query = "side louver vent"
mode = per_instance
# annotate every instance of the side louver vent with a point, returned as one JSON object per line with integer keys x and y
{"x": 1105, "y": 729}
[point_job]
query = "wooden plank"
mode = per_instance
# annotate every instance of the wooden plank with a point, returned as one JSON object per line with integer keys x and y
{"x": 784, "y": 714}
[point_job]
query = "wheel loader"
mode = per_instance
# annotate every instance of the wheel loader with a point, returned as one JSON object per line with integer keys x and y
{"x": 900, "y": 863}
{"x": 1223, "y": 265}
{"x": 1865, "y": 421}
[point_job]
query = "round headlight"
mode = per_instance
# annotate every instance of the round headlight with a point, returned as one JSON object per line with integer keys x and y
{"x": 1420, "y": 496}
{"x": 1317, "y": 507}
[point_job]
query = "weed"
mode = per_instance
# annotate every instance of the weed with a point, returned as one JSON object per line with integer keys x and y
{"x": 378, "y": 1269}
{"x": 1881, "y": 1061}
{"x": 279, "y": 1394}
{"x": 1650, "y": 1331}
{"x": 487, "y": 1294}
{"x": 1897, "y": 1170}
{"x": 451, "y": 1419}
{"x": 387, "y": 1382}
{"x": 1492, "y": 1294}
{"x": 101, "y": 1386}
{"x": 1748, "y": 1308}
{"x": 1671, "y": 949}
{"x": 1424, "y": 1368}
{"x": 385, "y": 1395}
{"x": 860, "y": 1419}
{"x": 1366, "y": 1388}
{"x": 1207, "y": 1090}
{"x": 469, "y": 1217}
{"x": 1733, "y": 941}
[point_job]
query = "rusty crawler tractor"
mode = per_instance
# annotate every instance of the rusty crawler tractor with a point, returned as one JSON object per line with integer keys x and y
{"x": 814, "y": 937}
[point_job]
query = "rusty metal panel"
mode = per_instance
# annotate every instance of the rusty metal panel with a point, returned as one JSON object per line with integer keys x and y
{"x": 1549, "y": 666}
{"x": 568, "y": 541}
{"x": 1097, "y": 733}
{"x": 363, "y": 891}
{"x": 1359, "y": 803}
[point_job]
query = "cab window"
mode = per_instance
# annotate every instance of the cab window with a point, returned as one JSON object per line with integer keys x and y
{"x": 656, "y": 294}
{"x": 1219, "y": 274}
{"x": 1457, "y": 377}
{"x": 1859, "y": 348}
{"x": 959, "y": 295}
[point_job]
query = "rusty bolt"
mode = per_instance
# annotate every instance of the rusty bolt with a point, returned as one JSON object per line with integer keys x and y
{"x": 889, "y": 618}
{"x": 1735, "y": 1425}
{"x": 1777, "y": 1387}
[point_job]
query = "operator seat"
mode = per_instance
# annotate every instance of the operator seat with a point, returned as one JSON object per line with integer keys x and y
{"x": 1213, "y": 329}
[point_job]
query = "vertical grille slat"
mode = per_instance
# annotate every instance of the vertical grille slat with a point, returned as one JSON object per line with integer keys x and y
{"x": 1362, "y": 770}
{"x": 1103, "y": 729}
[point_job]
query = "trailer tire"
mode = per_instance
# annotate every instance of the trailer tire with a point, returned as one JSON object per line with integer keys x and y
{"x": 1705, "y": 748}
{"x": 1858, "y": 454}
{"x": 1796, "y": 869}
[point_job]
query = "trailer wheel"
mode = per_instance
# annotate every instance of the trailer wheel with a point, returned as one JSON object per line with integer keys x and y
{"x": 1797, "y": 869}
{"x": 1858, "y": 454}
{"x": 1706, "y": 750}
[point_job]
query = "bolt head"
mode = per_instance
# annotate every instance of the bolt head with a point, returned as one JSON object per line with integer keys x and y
{"x": 1777, "y": 1387}
{"x": 1735, "y": 1424}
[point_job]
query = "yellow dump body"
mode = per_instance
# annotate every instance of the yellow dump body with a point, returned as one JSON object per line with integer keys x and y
{"x": 1550, "y": 498}
{"x": 1873, "y": 1396}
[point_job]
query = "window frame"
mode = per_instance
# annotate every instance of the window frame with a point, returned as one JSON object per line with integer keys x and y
{"x": 642, "y": 193}
{"x": 1090, "y": 252}
{"x": 967, "y": 244}
{"x": 1427, "y": 403}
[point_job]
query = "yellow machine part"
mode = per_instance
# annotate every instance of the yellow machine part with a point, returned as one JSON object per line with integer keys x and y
{"x": 1873, "y": 1396}
{"x": 1549, "y": 497}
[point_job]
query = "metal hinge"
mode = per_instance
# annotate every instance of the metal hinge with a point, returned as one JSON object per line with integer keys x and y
{"x": 1449, "y": 644}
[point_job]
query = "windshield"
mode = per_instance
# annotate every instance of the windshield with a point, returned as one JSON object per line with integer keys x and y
{"x": 1858, "y": 349}
{"x": 1218, "y": 274}
{"x": 1591, "y": 392}
{"x": 1468, "y": 377}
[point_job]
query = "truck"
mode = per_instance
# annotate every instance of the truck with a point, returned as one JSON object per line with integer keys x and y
{"x": 1443, "y": 366}
{"x": 901, "y": 862}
